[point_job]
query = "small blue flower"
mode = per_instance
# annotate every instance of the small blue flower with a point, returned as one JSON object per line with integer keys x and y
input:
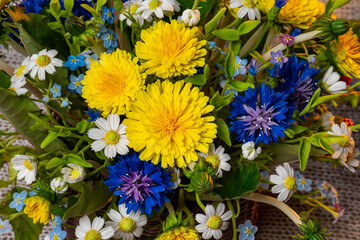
{"x": 93, "y": 115}
{"x": 109, "y": 39}
{"x": 102, "y": 28}
{"x": 212, "y": 44}
{"x": 64, "y": 103}
{"x": 108, "y": 14}
{"x": 18, "y": 202}
{"x": 45, "y": 99}
{"x": 228, "y": 89}
{"x": 280, "y": 3}
{"x": 240, "y": 66}
{"x": 324, "y": 191}
{"x": 89, "y": 57}
{"x": 5, "y": 226}
{"x": 32, "y": 193}
{"x": 110, "y": 50}
{"x": 254, "y": 66}
{"x": 57, "y": 222}
{"x": 56, "y": 90}
{"x": 301, "y": 183}
{"x": 264, "y": 177}
{"x": 74, "y": 62}
{"x": 75, "y": 83}
{"x": 57, "y": 234}
{"x": 296, "y": 32}
{"x": 247, "y": 231}
{"x": 278, "y": 58}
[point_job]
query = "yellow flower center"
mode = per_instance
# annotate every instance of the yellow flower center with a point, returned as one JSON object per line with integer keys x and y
{"x": 19, "y": 71}
{"x": 43, "y": 60}
{"x": 110, "y": 37}
{"x": 12, "y": 88}
{"x": 214, "y": 160}
{"x": 237, "y": 66}
{"x": 28, "y": 164}
{"x": 303, "y": 182}
{"x": 127, "y": 225}
{"x": 1, "y": 226}
{"x": 345, "y": 141}
{"x": 248, "y": 231}
{"x": 73, "y": 60}
{"x": 154, "y": 4}
{"x": 133, "y": 8}
{"x": 75, "y": 173}
{"x": 18, "y": 200}
{"x": 56, "y": 90}
{"x": 111, "y": 137}
{"x": 249, "y": 3}
{"x": 93, "y": 235}
{"x": 77, "y": 83}
{"x": 290, "y": 182}
{"x": 109, "y": 14}
{"x": 214, "y": 222}
{"x": 278, "y": 58}
{"x": 56, "y": 236}
{"x": 287, "y": 38}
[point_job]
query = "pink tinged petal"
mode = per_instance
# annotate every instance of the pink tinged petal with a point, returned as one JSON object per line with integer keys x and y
{"x": 102, "y": 124}
{"x": 96, "y": 133}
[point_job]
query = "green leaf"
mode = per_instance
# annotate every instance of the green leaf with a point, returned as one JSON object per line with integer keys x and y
{"x": 16, "y": 110}
{"x": 212, "y": 24}
{"x": 240, "y": 86}
{"x": 197, "y": 79}
{"x": 227, "y": 34}
{"x": 247, "y": 27}
{"x": 12, "y": 177}
{"x": 31, "y": 46}
{"x": 219, "y": 101}
{"x": 5, "y": 81}
{"x": 54, "y": 162}
{"x": 54, "y": 25}
{"x": 75, "y": 159}
{"x": 235, "y": 47}
{"x": 312, "y": 100}
{"x": 239, "y": 182}
{"x": 69, "y": 4}
{"x": 298, "y": 129}
{"x": 99, "y": 4}
{"x": 89, "y": 9}
{"x": 325, "y": 99}
{"x": 290, "y": 133}
{"x": 223, "y": 131}
{"x": 98, "y": 193}
{"x": 324, "y": 144}
{"x": 230, "y": 65}
{"x": 24, "y": 228}
{"x": 206, "y": 72}
{"x": 82, "y": 125}
{"x": 49, "y": 139}
{"x": 304, "y": 153}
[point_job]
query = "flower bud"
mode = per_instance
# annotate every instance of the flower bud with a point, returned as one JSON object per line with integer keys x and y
{"x": 75, "y": 25}
{"x": 190, "y": 17}
{"x": 202, "y": 183}
{"x": 332, "y": 29}
{"x": 59, "y": 185}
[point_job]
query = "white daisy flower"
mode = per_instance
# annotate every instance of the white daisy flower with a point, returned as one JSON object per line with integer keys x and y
{"x": 246, "y": 7}
{"x": 20, "y": 72}
{"x": 218, "y": 159}
{"x": 327, "y": 119}
{"x": 59, "y": 185}
{"x": 332, "y": 82}
{"x": 17, "y": 86}
{"x": 213, "y": 222}
{"x": 95, "y": 231}
{"x": 26, "y": 166}
{"x": 126, "y": 226}
{"x": 285, "y": 182}
{"x": 342, "y": 150}
{"x": 249, "y": 152}
{"x": 73, "y": 173}
{"x": 352, "y": 163}
{"x": 110, "y": 135}
{"x": 131, "y": 7}
{"x": 190, "y": 17}
{"x": 43, "y": 62}
{"x": 148, "y": 7}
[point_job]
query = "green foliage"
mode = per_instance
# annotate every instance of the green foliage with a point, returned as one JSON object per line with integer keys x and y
{"x": 331, "y": 5}
{"x": 247, "y": 27}
{"x": 230, "y": 65}
{"x": 197, "y": 79}
{"x": 54, "y": 162}
{"x": 227, "y": 34}
{"x": 12, "y": 177}
{"x": 5, "y": 81}
{"x": 304, "y": 153}
{"x": 312, "y": 230}
{"x": 239, "y": 182}
{"x": 212, "y": 24}
{"x": 24, "y": 228}
{"x": 83, "y": 125}
{"x": 219, "y": 101}
{"x": 223, "y": 131}
{"x": 75, "y": 159}
{"x": 240, "y": 86}
{"x": 69, "y": 4}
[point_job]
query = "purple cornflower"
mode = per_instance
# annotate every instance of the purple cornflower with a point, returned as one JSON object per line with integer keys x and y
{"x": 278, "y": 58}
{"x": 287, "y": 39}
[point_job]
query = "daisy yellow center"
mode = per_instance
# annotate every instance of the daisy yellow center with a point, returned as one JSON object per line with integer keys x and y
{"x": 290, "y": 182}
{"x": 43, "y": 60}
{"x": 170, "y": 49}
{"x": 75, "y": 173}
{"x": 93, "y": 235}
{"x": 28, "y": 165}
{"x": 127, "y": 225}
{"x": 111, "y": 137}
{"x": 20, "y": 70}
{"x": 345, "y": 141}
{"x": 249, "y": 3}
{"x": 214, "y": 160}
{"x": 133, "y": 8}
{"x": 18, "y": 200}
{"x": 154, "y": 4}
{"x": 113, "y": 83}
{"x": 248, "y": 231}
{"x": 214, "y": 222}
{"x": 12, "y": 88}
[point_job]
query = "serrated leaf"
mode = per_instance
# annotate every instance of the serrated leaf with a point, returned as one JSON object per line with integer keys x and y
{"x": 227, "y": 34}
{"x": 247, "y": 27}
{"x": 75, "y": 159}
{"x": 239, "y": 182}
{"x": 219, "y": 101}
{"x": 98, "y": 193}
{"x": 230, "y": 65}
{"x": 240, "y": 86}
{"x": 304, "y": 153}
{"x": 197, "y": 79}
{"x": 223, "y": 131}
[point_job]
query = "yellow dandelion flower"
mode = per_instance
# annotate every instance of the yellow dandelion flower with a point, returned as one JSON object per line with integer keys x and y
{"x": 179, "y": 233}
{"x": 166, "y": 122}
{"x": 38, "y": 209}
{"x": 170, "y": 50}
{"x": 112, "y": 83}
{"x": 347, "y": 54}
{"x": 299, "y": 13}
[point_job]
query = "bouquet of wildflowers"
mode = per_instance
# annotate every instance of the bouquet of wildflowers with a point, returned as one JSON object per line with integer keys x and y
{"x": 153, "y": 119}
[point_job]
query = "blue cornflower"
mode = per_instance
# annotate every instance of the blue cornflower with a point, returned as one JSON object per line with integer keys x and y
{"x": 5, "y": 226}
{"x": 57, "y": 222}
{"x": 296, "y": 32}
{"x": 299, "y": 82}
{"x": 301, "y": 183}
{"x": 35, "y": 6}
{"x": 93, "y": 115}
{"x": 18, "y": 202}
{"x": 228, "y": 89}
{"x": 140, "y": 184}
{"x": 254, "y": 66}
{"x": 259, "y": 117}
{"x": 109, "y": 39}
{"x": 108, "y": 14}
{"x": 74, "y": 62}
{"x": 56, "y": 90}
{"x": 247, "y": 231}
{"x": 75, "y": 83}
{"x": 280, "y": 3}
{"x": 278, "y": 58}
{"x": 240, "y": 66}
{"x": 57, "y": 234}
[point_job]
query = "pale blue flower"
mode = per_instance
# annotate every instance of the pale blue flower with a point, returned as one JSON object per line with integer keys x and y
{"x": 240, "y": 66}
{"x": 18, "y": 202}
{"x": 301, "y": 183}
{"x": 108, "y": 14}
{"x": 75, "y": 83}
{"x": 57, "y": 222}
{"x": 5, "y": 226}
{"x": 109, "y": 39}
{"x": 57, "y": 234}
{"x": 247, "y": 231}
{"x": 56, "y": 90}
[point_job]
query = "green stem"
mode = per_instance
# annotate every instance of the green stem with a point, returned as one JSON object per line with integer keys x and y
{"x": 196, "y": 3}
{"x": 238, "y": 208}
{"x": 170, "y": 208}
{"x": 201, "y": 205}
{"x": 235, "y": 22}
{"x": 267, "y": 26}
{"x": 15, "y": 215}
{"x": 47, "y": 154}
{"x": 233, "y": 218}
{"x": 99, "y": 168}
